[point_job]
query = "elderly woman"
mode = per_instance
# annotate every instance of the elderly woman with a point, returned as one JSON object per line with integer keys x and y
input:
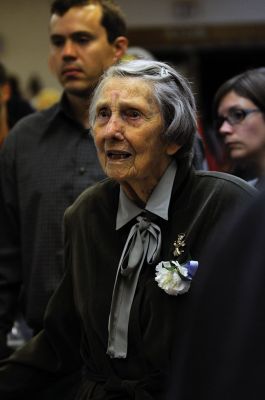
{"x": 133, "y": 243}
{"x": 239, "y": 113}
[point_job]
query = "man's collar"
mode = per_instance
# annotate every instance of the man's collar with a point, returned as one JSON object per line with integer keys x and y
{"x": 66, "y": 106}
{"x": 157, "y": 204}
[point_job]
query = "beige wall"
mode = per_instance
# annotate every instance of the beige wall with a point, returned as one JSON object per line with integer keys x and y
{"x": 24, "y": 37}
{"x": 24, "y": 27}
{"x": 172, "y": 12}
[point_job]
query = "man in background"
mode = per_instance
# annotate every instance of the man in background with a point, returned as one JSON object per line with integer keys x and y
{"x": 49, "y": 158}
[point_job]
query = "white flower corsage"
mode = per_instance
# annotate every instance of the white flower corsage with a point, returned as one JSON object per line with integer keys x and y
{"x": 175, "y": 278}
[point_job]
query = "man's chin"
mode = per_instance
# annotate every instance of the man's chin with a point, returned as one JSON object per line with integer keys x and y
{"x": 78, "y": 92}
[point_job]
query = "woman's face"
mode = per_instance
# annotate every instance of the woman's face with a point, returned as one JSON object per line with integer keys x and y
{"x": 244, "y": 140}
{"x": 128, "y": 133}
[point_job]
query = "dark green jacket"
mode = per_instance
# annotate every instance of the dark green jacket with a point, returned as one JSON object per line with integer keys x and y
{"x": 76, "y": 322}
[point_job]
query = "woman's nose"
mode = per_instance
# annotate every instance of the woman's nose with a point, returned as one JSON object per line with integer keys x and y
{"x": 226, "y": 128}
{"x": 114, "y": 128}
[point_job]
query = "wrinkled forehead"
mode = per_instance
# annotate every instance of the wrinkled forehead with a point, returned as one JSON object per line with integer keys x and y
{"x": 126, "y": 87}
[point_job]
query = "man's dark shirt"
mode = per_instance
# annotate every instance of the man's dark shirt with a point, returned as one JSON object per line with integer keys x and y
{"x": 47, "y": 160}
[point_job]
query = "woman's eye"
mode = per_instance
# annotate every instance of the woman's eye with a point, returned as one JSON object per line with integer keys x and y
{"x": 103, "y": 113}
{"x": 238, "y": 115}
{"x": 133, "y": 114}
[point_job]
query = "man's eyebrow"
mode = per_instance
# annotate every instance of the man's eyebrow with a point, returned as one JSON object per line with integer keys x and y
{"x": 73, "y": 34}
{"x": 82, "y": 33}
{"x": 54, "y": 35}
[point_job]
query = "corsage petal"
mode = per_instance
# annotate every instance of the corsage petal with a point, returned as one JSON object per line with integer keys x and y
{"x": 175, "y": 278}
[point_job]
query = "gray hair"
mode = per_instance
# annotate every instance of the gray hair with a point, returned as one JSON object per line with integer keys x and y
{"x": 171, "y": 92}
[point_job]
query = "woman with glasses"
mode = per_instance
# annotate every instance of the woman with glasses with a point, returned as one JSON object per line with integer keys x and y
{"x": 239, "y": 107}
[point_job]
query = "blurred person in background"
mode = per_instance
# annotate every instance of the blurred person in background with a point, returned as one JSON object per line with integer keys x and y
{"x": 13, "y": 106}
{"x": 41, "y": 97}
{"x": 46, "y": 98}
{"x": 239, "y": 114}
{"x": 223, "y": 352}
{"x": 49, "y": 158}
{"x": 18, "y": 105}
{"x": 34, "y": 86}
{"x": 4, "y": 97}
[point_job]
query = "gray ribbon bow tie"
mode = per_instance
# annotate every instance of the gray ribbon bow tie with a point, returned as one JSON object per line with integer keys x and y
{"x": 143, "y": 243}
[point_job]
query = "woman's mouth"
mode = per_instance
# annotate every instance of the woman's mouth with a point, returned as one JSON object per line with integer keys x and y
{"x": 117, "y": 155}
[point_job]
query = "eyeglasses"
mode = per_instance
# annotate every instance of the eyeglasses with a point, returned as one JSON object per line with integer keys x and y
{"x": 234, "y": 116}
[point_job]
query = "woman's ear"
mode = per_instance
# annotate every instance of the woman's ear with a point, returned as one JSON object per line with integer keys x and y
{"x": 172, "y": 148}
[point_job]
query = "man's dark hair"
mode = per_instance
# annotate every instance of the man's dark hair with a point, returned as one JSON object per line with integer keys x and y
{"x": 112, "y": 20}
{"x": 3, "y": 74}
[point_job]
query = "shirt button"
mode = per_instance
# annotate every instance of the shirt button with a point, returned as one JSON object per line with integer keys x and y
{"x": 82, "y": 170}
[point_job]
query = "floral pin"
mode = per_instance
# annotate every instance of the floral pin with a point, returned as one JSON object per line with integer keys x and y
{"x": 175, "y": 278}
{"x": 179, "y": 245}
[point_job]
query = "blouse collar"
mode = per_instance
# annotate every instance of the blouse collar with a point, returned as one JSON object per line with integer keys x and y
{"x": 158, "y": 203}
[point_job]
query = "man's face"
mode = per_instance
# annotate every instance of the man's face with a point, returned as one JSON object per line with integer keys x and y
{"x": 79, "y": 48}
